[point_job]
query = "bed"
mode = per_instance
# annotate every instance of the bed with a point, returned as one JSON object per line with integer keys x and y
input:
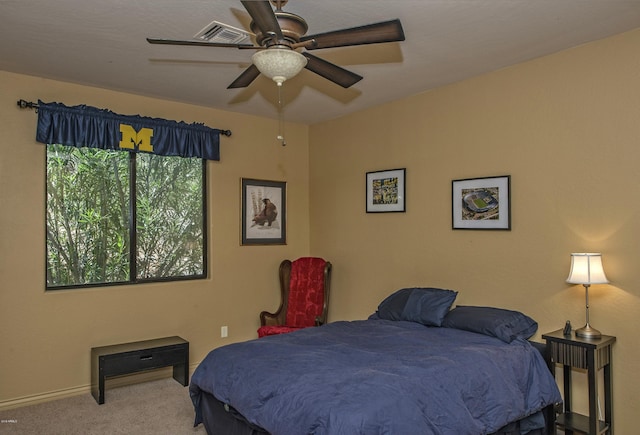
{"x": 413, "y": 367}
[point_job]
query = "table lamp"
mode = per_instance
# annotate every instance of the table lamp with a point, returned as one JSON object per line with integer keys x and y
{"x": 586, "y": 269}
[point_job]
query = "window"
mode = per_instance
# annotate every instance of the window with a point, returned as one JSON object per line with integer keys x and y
{"x": 115, "y": 217}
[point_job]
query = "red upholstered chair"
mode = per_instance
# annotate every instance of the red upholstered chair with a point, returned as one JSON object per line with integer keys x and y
{"x": 304, "y": 291}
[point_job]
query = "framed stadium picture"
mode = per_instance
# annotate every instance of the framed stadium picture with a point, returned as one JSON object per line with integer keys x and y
{"x": 264, "y": 212}
{"x": 386, "y": 191}
{"x": 481, "y": 203}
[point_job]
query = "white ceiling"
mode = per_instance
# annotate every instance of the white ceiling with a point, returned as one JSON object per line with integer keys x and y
{"x": 102, "y": 44}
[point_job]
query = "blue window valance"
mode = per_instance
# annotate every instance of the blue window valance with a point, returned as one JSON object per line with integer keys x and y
{"x": 86, "y": 126}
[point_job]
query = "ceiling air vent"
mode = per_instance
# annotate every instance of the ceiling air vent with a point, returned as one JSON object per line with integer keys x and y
{"x": 224, "y": 34}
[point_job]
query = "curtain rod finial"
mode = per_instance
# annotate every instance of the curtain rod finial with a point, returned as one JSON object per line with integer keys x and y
{"x": 23, "y": 104}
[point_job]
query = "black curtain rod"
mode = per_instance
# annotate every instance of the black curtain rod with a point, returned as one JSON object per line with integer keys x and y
{"x": 23, "y": 104}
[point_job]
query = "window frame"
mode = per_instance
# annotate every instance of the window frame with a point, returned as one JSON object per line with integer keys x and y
{"x": 133, "y": 263}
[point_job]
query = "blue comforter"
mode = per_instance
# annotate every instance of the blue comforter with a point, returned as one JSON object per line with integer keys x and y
{"x": 377, "y": 377}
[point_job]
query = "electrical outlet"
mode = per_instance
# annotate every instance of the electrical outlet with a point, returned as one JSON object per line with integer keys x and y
{"x": 224, "y": 331}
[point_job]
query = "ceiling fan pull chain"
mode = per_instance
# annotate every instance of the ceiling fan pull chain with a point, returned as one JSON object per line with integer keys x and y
{"x": 280, "y": 136}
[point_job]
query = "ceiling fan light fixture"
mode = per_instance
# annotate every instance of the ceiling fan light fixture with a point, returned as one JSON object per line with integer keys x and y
{"x": 279, "y": 64}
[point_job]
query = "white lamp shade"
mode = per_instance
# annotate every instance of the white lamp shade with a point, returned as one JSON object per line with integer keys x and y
{"x": 586, "y": 268}
{"x": 279, "y": 64}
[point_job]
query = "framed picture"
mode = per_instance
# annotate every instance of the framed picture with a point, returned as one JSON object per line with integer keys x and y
{"x": 481, "y": 203}
{"x": 264, "y": 212}
{"x": 386, "y": 191}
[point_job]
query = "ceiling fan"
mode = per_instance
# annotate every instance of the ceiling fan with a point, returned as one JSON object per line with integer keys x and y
{"x": 279, "y": 34}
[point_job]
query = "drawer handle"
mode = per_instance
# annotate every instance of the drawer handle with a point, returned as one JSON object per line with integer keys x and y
{"x": 146, "y": 357}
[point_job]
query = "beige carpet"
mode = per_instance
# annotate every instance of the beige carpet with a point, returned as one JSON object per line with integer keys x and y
{"x": 155, "y": 407}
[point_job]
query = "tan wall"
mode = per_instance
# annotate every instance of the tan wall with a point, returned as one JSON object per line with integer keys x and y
{"x": 45, "y": 337}
{"x": 566, "y": 128}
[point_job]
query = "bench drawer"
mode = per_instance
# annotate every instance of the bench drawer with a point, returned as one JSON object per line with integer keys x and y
{"x": 120, "y": 364}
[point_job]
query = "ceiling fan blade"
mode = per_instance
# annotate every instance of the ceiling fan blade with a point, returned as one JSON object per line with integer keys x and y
{"x": 245, "y": 79}
{"x": 386, "y": 31}
{"x": 264, "y": 17}
{"x": 194, "y": 42}
{"x": 331, "y": 71}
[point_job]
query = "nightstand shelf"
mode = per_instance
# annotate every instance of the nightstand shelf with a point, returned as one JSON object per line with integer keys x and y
{"x": 592, "y": 355}
{"x": 579, "y": 422}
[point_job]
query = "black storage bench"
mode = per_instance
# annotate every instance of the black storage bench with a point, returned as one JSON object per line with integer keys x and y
{"x": 127, "y": 358}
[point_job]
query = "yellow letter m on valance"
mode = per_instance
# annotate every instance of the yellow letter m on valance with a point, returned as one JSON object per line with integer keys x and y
{"x": 132, "y": 139}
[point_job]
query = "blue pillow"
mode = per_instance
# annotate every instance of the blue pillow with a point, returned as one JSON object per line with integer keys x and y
{"x": 422, "y": 305}
{"x": 504, "y": 324}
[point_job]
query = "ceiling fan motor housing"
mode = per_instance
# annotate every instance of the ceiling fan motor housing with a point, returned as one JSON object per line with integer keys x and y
{"x": 293, "y": 28}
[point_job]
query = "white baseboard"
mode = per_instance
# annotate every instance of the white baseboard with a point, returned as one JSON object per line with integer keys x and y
{"x": 43, "y": 397}
{"x": 117, "y": 381}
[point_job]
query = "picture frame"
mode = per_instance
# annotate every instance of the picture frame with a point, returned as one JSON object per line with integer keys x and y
{"x": 263, "y": 212}
{"x": 481, "y": 203}
{"x": 386, "y": 191}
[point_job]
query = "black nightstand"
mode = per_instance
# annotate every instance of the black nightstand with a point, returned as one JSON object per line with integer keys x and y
{"x": 592, "y": 355}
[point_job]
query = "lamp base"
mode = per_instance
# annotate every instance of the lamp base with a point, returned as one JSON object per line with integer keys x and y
{"x": 588, "y": 332}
